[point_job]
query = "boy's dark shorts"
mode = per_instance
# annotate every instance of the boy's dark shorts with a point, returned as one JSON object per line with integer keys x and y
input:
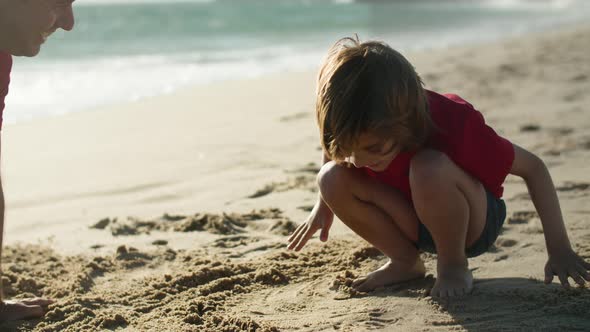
{"x": 496, "y": 213}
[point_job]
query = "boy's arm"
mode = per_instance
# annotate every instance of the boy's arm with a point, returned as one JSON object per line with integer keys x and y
{"x": 324, "y": 206}
{"x": 563, "y": 261}
{"x": 540, "y": 185}
{"x": 320, "y": 218}
{"x": 1, "y": 234}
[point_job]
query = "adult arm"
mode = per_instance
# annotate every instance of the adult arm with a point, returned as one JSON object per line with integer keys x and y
{"x": 20, "y": 309}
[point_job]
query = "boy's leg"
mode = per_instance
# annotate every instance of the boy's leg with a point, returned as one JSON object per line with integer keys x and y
{"x": 380, "y": 215}
{"x": 452, "y": 205}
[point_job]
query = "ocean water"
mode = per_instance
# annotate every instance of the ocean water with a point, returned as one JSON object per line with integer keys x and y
{"x": 124, "y": 50}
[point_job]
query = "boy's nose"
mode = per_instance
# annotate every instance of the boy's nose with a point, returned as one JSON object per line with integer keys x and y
{"x": 66, "y": 19}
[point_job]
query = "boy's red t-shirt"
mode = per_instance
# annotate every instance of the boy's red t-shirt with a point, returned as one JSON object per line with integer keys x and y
{"x": 462, "y": 134}
{"x": 5, "y": 67}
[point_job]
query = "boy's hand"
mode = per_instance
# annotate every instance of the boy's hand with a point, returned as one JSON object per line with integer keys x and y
{"x": 567, "y": 264}
{"x": 321, "y": 217}
{"x": 23, "y": 309}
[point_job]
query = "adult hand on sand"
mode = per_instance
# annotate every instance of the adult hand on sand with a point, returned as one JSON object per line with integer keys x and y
{"x": 23, "y": 309}
{"x": 567, "y": 264}
{"x": 321, "y": 217}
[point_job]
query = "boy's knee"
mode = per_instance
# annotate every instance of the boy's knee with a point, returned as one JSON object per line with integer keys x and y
{"x": 330, "y": 179}
{"x": 427, "y": 169}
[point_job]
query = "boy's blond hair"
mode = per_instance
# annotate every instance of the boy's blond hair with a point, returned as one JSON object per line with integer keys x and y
{"x": 369, "y": 87}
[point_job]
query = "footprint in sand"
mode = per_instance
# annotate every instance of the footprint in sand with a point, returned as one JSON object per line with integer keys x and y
{"x": 376, "y": 321}
{"x": 282, "y": 227}
{"x": 532, "y": 229}
{"x": 501, "y": 258}
{"x": 579, "y": 78}
{"x": 309, "y": 168}
{"x": 520, "y": 197}
{"x": 522, "y": 217}
{"x": 306, "y": 208}
{"x": 526, "y": 218}
{"x": 553, "y": 153}
{"x": 234, "y": 241}
{"x": 563, "y": 131}
{"x": 269, "y": 188}
{"x": 296, "y": 116}
{"x": 506, "y": 243}
{"x": 509, "y": 70}
{"x": 574, "y": 186}
{"x": 306, "y": 180}
{"x": 530, "y": 128}
{"x": 431, "y": 77}
{"x": 574, "y": 96}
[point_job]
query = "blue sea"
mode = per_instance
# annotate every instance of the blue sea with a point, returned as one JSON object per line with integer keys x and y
{"x": 124, "y": 50}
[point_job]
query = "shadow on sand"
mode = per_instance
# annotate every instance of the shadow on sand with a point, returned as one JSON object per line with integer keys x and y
{"x": 506, "y": 304}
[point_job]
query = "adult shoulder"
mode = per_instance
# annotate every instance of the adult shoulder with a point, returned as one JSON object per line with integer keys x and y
{"x": 5, "y": 68}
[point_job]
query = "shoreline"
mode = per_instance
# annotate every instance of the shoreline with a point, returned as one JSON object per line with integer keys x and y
{"x": 179, "y": 87}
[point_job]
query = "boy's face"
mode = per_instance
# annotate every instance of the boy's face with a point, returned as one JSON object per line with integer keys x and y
{"x": 27, "y": 23}
{"x": 373, "y": 152}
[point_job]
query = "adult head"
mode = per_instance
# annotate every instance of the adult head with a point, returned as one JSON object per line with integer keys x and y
{"x": 26, "y": 24}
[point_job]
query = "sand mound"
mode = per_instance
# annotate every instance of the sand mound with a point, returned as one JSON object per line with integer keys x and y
{"x": 201, "y": 290}
{"x": 184, "y": 290}
{"x": 225, "y": 223}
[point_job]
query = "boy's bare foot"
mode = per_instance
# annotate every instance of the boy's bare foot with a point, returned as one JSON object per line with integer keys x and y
{"x": 452, "y": 281}
{"x": 23, "y": 309}
{"x": 390, "y": 273}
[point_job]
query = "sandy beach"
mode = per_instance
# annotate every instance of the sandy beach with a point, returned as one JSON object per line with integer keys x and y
{"x": 171, "y": 213}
